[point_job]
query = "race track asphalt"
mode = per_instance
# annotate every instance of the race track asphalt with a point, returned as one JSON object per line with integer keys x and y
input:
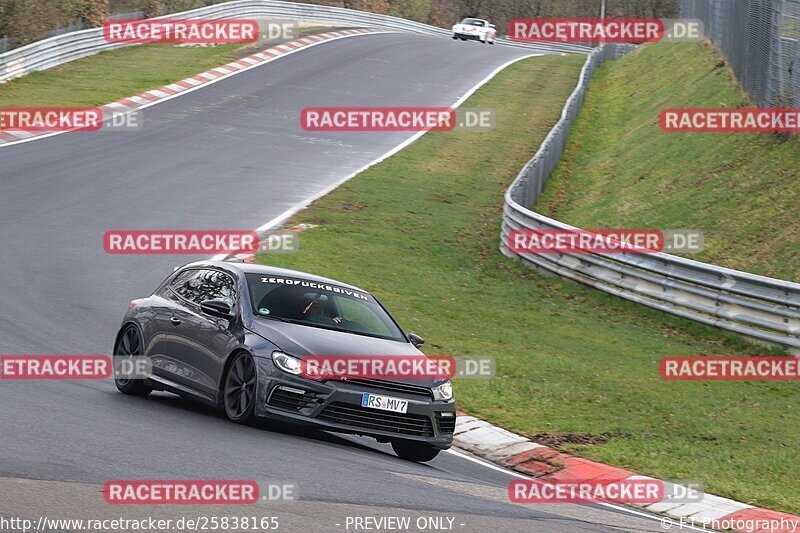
{"x": 230, "y": 155}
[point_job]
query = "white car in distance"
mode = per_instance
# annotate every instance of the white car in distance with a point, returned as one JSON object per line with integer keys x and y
{"x": 476, "y": 30}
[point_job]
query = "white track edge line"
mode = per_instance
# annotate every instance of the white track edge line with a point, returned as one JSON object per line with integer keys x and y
{"x": 643, "y": 514}
{"x": 305, "y": 203}
{"x": 316, "y": 196}
{"x": 209, "y": 82}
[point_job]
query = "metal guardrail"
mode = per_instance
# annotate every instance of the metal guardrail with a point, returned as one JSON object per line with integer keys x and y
{"x": 60, "y": 49}
{"x": 755, "y": 306}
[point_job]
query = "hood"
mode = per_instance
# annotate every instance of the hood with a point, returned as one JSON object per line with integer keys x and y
{"x": 299, "y": 340}
{"x": 302, "y": 341}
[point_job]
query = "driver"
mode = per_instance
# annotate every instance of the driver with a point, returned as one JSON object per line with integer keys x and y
{"x": 315, "y": 312}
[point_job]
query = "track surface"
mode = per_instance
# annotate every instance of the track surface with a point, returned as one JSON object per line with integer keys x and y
{"x": 231, "y": 155}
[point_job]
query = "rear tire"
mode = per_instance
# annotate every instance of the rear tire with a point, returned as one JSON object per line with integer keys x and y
{"x": 418, "y": 452}
{"x": 129, "y": 346}
{"x": 239, "y": 389}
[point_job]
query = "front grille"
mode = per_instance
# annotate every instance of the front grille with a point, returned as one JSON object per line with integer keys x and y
{"x": 361, "y": 417}
{"x": 291, "y": 400}
{"x": 392, "y": 386}
{"x": 446, "y": 424}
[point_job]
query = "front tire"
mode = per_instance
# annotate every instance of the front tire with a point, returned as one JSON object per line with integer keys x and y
{"x": 418, "y": 452}
{"x": 129, "y": 346}
{"x": 239, "y": 389}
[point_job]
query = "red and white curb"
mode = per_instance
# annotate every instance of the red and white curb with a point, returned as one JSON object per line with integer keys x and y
{"x": 153, "y": 96}
{"x": 518, "y": 453}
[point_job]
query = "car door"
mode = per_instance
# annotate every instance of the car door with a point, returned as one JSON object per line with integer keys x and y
{"x": 199, "y": 342}
{"x": 161, "y": 340}
{"x": 157, "y": 329}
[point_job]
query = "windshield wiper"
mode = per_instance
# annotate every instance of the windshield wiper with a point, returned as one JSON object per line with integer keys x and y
{"x": 282, "y": 319}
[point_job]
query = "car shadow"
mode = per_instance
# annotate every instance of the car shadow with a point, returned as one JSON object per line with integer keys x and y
{"x": 167, "y": 400}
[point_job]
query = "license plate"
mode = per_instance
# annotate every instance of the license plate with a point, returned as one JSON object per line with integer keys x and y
{"x": 384, "y": 403}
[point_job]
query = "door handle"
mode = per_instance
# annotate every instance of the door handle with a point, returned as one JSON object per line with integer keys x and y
{"x": 175, "y": 321}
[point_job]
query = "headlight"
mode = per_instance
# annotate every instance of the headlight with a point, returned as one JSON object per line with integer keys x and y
{"x": 287, "y": 363}
{"x": 443, "y": 391}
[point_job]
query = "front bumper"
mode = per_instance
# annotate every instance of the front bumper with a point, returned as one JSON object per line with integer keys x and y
{"x": 336, "y": 406}
{"x": 470, "y": 36}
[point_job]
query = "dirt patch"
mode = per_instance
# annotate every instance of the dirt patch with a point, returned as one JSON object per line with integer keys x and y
{"x": 348, "y": 206}
{"x": 556, "y": 440}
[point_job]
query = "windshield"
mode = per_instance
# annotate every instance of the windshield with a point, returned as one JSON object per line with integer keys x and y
{"x": 320, "y": 305}
{"x": 473, "y": 22}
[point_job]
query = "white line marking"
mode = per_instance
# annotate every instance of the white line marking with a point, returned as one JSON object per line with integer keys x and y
{"x": 305, "y": 203}
{"x": 291, "y": 211}
{"x": 641, "y": 514}
{"x": 200, "y": 85}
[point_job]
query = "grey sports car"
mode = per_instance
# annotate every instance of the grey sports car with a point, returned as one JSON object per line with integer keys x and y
{"x": 237, "y": 336}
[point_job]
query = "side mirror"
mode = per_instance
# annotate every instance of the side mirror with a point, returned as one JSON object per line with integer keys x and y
{"x": 492, "y": 26}
{"x": 217, "y": 308}
{"x": 415, "y": 339}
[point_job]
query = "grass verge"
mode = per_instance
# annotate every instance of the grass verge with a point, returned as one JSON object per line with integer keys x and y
{"x": 421, "y": 231}
{"x": 116, "y": 74}
{"x": 621, "y": 170}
